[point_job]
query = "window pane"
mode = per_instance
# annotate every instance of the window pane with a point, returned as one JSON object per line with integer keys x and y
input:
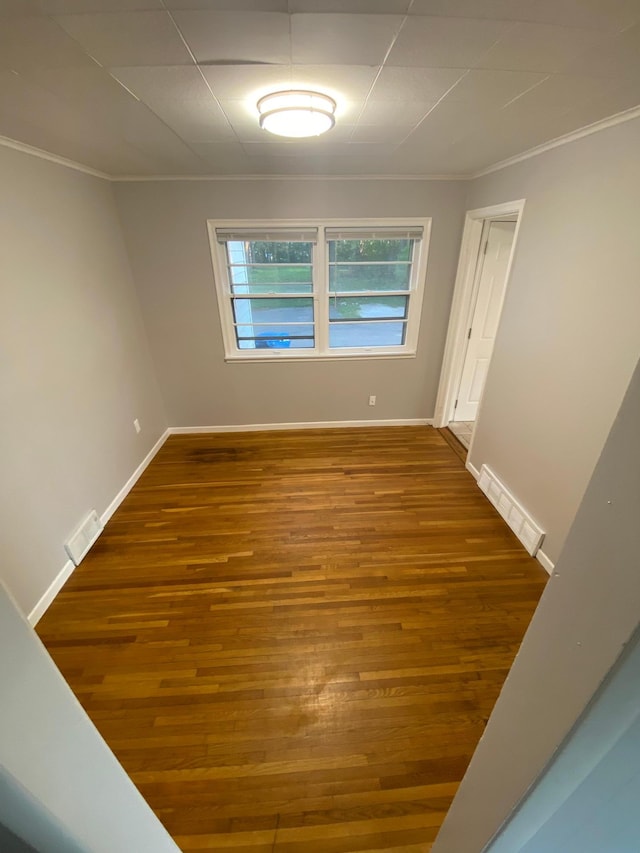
{"x": 279, "y": 336}
{"x": 370, "y": 250}
{"x": 354, "y": 277}
{"x": 367, "y": 307}
{"x": 262, "y": 252}
{"x": 366, "y": 334}
{"x": 273, "y": 310}
{"x": 247, "y": 275}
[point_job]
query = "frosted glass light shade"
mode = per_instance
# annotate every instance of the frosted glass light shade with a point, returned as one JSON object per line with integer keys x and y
{"x": 297, "y": 113}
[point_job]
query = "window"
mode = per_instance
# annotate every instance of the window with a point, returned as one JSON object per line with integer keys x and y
{"x": 326, "y": 290}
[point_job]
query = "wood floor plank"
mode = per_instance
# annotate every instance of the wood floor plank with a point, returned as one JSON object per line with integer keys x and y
{"x": 293, "y": 640}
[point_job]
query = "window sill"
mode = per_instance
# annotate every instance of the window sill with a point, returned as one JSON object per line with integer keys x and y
{"x": 253, "y": 359}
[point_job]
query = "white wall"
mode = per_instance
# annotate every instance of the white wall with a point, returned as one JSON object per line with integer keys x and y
{"x": 75, "y": 368}
{"x": 569, "y": 336}
{"x": 68, "y": 791}
{"x": 587, "y": 615}
{"x": 165, "y": 228}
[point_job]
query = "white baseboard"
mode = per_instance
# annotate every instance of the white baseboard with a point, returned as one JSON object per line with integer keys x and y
{"x": 65, "y": 573}
{"x": 303, "y": 425}
{"x": 124, "y": 491}
{"x": 473, "y": 470}
{"x": 545, "y": 562}
{"x": 59, "y": 581}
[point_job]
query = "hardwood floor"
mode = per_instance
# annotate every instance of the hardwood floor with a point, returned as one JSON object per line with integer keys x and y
{"x": 292, "y": 640}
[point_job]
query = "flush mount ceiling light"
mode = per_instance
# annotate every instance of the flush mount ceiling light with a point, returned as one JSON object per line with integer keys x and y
{"x": 297, "y": 113}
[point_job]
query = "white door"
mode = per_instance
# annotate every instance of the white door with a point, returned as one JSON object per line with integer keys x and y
{"x": 491, "y": 280}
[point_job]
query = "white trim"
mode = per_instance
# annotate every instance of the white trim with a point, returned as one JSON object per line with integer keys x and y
{"x": 323, "y": 178}
{"x": 124, "y": 491}
{"x": 545, "y": 562}
{"x": 320, "y": 294}
{"x": 193, "y": 430}
{"x": 6, "y": 142}
{"x": 50, "y": 593}
{"x": 453, "y": 358}
{"x": 473, "y": 470}
{"x": 573, "y": 136}
{"x": 65, "y": 573}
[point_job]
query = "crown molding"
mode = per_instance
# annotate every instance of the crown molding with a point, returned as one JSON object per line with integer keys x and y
{"x": 565, "y": 139}
{"x": 6, "y": 142}
{"x": 323, "y": 178}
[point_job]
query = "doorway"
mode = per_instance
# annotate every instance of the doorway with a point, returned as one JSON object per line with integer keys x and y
{"x": 486, "y": 254}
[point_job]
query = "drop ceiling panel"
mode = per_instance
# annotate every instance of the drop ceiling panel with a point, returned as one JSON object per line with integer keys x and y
{"x": 371, "y": 7}
{"x": 342, "y": 39}
{"x": 393, "y": 134}
{"x": 617, "y": 56}
{"x": 180, "y": 97}
{"x": 37, "y": 42}
{"x": 69, "y": 7}
{"x": 597, "y": 14}
{"x": 415, "y": 84}
{"x": 317, "y": 149}
{"x": 539, "y": 47}
{"x": 445, "y": 42}
{"x": 128, "y": 38}
{"x": 236, "y": 36}
{"x": 392, "y": 112}
{"x": 494, "y": 88}
{"x": 229, "y": 5}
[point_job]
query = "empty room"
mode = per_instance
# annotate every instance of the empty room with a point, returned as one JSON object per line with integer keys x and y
{"x": 320, "y": 325}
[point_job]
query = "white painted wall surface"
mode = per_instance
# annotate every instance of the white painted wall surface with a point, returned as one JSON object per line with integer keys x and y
{"x": 50, "y": 747}
{"x": 75, "y": 368}
{"x": 569, "y": 335}
{"x": 165, "y": 229}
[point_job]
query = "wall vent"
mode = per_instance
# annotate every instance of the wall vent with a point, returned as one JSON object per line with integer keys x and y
{"x": 83, "y": 538}
{"x": 518, "y": 519}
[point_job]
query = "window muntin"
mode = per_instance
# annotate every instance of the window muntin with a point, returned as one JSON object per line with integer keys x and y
{"x": 321, "y": 291}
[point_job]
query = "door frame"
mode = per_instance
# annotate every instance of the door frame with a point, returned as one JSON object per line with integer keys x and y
{"x": 463, "y": 292}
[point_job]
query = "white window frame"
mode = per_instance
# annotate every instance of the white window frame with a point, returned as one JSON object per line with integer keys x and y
{"x": 320, "y": 295}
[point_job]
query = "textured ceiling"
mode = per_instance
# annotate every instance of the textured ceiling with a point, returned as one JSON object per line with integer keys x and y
{"x": 168, "y": 87}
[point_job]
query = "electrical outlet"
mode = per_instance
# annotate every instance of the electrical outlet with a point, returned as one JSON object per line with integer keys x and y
{"x": 136, "y": 425}
{"x": 372, "y": 400}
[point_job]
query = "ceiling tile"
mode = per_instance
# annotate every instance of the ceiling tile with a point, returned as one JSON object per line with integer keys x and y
{"x": 128, "y": 38}
{"x": 563, "y": 92}
{"x": 223, "y": 158}
{"x": 395, "y": 133}
{"x": 314, "y": 147}
{"x": 342, "y": 39}
{"x": 70, "y": 7}
{"x": 371, "y": 7}
{"x": 91, "y": 90}
{"x": 237, "y": 36}
{"x": 181, "y": 98}
{"x": 392, "y": 112}
{"x": 229, "y": 5}
{"x": 37, "y": 42}
{"x": 539, "y": 47}
{"x": 415, "y": 84}
{"x": 345, "y": 83}
{"x": 598, "y": 14}
{"x": 246, "y": 82}
{"x": 618, "y": 56}
{"x": 494, "y": 88}
{"x": 20, "y": 8}
{"x": 445, "y": 42}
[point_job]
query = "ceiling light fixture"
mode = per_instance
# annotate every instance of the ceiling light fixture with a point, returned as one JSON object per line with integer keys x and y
{"x": 297, "y": 113}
